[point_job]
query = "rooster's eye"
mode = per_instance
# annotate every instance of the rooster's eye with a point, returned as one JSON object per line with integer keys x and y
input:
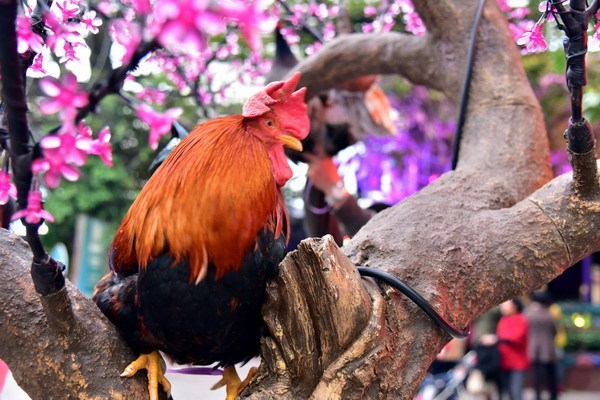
{"x": 269, "y": 123}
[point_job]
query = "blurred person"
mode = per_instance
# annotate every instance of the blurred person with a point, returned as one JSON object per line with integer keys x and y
{"x": 448, "y": 357}
{"x": 329, "y": 208}
{"x": 542, "y": 328}
{"x": 560, "y": 342}
{"x": 512, "y": 344}
{"x": 485, "y": 344}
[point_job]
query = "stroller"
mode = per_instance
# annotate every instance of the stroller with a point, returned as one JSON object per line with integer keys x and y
{"x": 450, "y": 384}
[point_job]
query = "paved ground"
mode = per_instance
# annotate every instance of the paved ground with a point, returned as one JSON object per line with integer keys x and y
{"x": 567, "y": 395}
{"x": 194, "y": 387}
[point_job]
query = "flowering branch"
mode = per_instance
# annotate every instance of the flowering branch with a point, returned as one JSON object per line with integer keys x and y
{"x": 580, "y": 139}
{"x": 303, "y": 24}
{"x": 37, "y": 27}
{"x": 46, "y": 272}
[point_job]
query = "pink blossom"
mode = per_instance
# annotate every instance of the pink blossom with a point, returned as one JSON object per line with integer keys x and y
{"x": 223, "y": 52}
{"x": 518, "y": 28}
{"x": 60, "y": 31}
{"x": 141, "y": 7}
{"x": 519, "y": 13}
{"x": 504, "y": 6}
{"x": 70, "y": 54}
{"x": 370, "y": 11}
{"x": 66, "y": 148}
{"x": 159, "y": 123}
{"x": 84, "y": 131}
{"x": 329, "y": 31}
{"x": 127, "y": 34}
{"x": 414, "y": 23}
{"x": 26, "y": 38}
{"x": 406, "y": 6}
{"x": 368, "y": 28}
{"x": 102, "y": 147}
{"x": 319, "y": 10}
{"x": 91, "y": 22}
{"x": 7, "y": 189}
{"x": 37, "y": 65}
{"x": 204, "y": 96}
{"x": 68, "y": 9}
{"x": 595, "y": 39}
{"x": 311, "y": 49}
{"x": 152, "y": 95}
{"x": 290, "y": 35}
{"x": 105, "y": 7}
{"x": 395, "y": 8}
{"x": 34, "y": 213}
{"x": 545, "y": 7}
{"x": 183, "y": 24}
{"x": 54, "y": 169}
{"x": 252, "y": 18}
{"x": 533, "y": 40}
{"x": 62, "y": 96}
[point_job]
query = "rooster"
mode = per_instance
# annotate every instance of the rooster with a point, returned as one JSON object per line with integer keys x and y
{"x": 191, "y": 259}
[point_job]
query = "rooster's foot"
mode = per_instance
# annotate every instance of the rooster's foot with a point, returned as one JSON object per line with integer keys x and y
{"x": 232, "y": 381}
{"x": 156, "y": 373}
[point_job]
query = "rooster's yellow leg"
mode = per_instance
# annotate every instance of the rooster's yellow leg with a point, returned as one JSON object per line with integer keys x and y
{"x": 233, "y": 383}
{"x": 153, "y": 364}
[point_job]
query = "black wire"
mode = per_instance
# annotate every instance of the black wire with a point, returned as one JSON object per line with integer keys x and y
{"x": 412, "y": 294}
{"x": 464, "y": 97}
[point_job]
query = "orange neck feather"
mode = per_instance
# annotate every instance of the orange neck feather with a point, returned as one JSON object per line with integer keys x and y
{"x": 206, "y": 203}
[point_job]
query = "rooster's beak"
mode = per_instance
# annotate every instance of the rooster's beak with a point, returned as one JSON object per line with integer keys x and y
{"x": 290, "y": 141}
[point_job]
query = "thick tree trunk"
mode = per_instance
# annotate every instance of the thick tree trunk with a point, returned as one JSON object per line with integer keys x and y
{"x": 495, "y": 228}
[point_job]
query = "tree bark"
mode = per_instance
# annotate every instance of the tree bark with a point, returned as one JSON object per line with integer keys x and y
{"x": 494, "y": 228}
{"x": 58, "y": 346}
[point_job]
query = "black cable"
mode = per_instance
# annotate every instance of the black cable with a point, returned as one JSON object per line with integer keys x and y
{"x": 412, "y": 294}
{"x": 464, "y": 97}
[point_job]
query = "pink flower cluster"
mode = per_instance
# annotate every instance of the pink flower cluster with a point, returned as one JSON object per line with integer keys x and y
{"x": 67, "y": 26}
{"x": 185, "y": 26}
{"x": 33, "y": 213}
{"x": 7, "y": 189}
{"x": 66, "y": 151}
{"x": 26, "y": 39}
{"x": 159, "y": 123}
{"x": 63, "y": 98}
{"x": 533, "y": 40}
{"x": 386, "y": 14}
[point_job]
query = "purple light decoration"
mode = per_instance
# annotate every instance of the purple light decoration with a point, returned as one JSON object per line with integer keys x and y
{"x": 391, "y": 168}
{"x": 195, "y": 371}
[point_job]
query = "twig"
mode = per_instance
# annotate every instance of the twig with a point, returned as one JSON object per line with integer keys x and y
{"x": 580, "y": 139}
{"x": 15, "y": 106}
{"x": 113, "y": 83}
{"x": 304, "y": 25}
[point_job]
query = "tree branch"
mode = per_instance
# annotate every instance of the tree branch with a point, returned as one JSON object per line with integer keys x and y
{"x": 353, "y": 55}
{"x": 58, "y": 345}
{"x": 114, "y": 81}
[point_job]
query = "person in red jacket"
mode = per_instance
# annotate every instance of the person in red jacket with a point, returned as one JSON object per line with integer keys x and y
{"x": 512, "y": 345}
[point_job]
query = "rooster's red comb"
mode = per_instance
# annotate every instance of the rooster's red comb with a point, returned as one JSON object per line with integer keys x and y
{"x": 275, "y": 93}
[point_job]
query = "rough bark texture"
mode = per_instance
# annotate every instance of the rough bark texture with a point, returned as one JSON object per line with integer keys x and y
{"x": 494, "y": 228}
{"x": 59, "y": 346}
